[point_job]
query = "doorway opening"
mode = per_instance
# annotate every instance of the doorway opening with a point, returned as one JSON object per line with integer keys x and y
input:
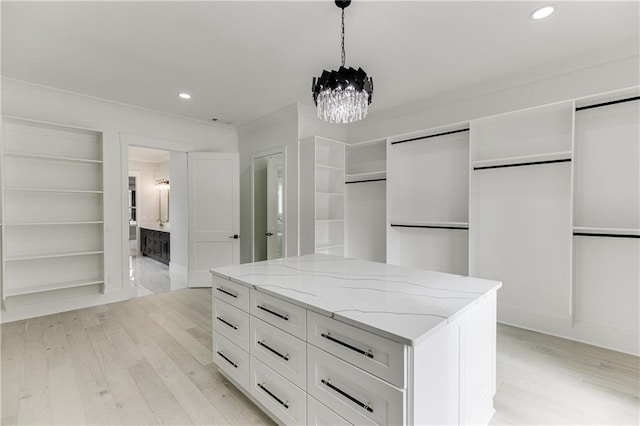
{"x": 268, "y": 206}
{"x": 149, "y": 221}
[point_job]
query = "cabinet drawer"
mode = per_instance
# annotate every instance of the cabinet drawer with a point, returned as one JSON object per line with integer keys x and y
{"x": 232, "y": 323}
{"x": 352, "y": 393}
{"x": 319, "y": 415}
{"x": 231, "y": 359}
{"x": 281, "y": 351}
{"x": 233, "y": 293}
{"x": 284, "y": 315}
{"x": 379, "y": 356}
{"x": 284, "y": 399}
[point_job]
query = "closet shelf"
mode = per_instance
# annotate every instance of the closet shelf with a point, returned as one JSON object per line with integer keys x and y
{"x": 328, "y": 246}
{"x": 88, "y": 222}
{"x": 72, "y": 191}
{"x": 360, "y": 177}
{"x": 49, "y": 157}
{"x": 522, "y": 160}
{"x": 434, "y": 225}
{"x": 51, "y": 255}
{"x": 324, "y": 166}
{"x": 330, "y": 194}
{"x": 8, "y": 292}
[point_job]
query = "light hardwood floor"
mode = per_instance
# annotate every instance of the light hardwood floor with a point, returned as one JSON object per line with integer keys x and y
{"x": 148, "y": 361}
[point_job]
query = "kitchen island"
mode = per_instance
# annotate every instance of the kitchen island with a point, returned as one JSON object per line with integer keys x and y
{"x": 321, "y": 339}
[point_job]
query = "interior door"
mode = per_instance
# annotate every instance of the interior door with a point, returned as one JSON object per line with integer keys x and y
{"x": 274, "y": 234}
{"x": 214, "y": 214}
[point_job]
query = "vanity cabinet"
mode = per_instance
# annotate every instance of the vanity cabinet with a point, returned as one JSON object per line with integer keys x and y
{"x": 155, "y": 244}
{"x": 307, "y": 360}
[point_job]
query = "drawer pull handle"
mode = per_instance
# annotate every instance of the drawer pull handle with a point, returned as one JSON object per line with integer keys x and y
{"x": 264, "y": 345}
{"x": 227, "y": 359}
{"x": 222, "y": 290}
{"x": 368, "y": 353}
{"x": 284, "y": 317}
{"x": 235, "y": 327}
{"x": 284, "y": 404}
{"x": 366, "y": 406}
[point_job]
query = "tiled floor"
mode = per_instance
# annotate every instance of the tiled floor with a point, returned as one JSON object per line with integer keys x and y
{"x": 147, "y": 276}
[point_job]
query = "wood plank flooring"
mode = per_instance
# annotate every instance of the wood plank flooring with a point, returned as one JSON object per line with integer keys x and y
{"x": 148, "y": 361}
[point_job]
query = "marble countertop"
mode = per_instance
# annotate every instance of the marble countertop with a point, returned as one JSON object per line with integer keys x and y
{"x": 155, "y": 226}
{"x": 403, "y": 304}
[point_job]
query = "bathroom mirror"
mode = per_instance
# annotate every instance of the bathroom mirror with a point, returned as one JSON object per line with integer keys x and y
{"x": 162, "y": 185}
{"x": 268, "y": 206}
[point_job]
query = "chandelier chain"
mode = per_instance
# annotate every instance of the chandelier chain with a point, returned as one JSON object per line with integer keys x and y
{"x": 344, "y": 55}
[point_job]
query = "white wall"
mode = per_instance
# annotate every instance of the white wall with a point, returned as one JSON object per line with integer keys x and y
{"x": 118, "y": 123}
{"x": 179, "y": 214}
{"x": 495, "y": 98}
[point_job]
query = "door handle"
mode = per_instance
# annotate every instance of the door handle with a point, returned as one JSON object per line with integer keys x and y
{"x": 235, "y": 237}
{"x": 269, "y": 234}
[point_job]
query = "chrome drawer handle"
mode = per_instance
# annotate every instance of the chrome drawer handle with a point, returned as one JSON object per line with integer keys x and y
{"x": 227, "y": 359}
{"x": 235, "y": 327}
{"x": 368, "y": 353}
{"x": 284, "y": 404}
{"x": 264, "y": 345}
{"x": 284, "y": 317}
{"x": 366, "y": 406}
{"x": 222, "y": 290}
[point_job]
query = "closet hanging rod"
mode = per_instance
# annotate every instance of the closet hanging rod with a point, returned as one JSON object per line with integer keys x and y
{"x": 594, "y": 234}
{"x": 531, "y": 163}
{"x": 619, "y": 101}
{"x": 431, "y": 136}
{"x": 398, "y": 225}
{"x": 366, "y": 180}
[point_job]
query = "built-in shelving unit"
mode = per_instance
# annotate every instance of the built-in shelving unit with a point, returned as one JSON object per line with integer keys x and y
{"x": 52, "y": 209}
{"x": 322, "y": 192}
{"x": 428, "y": 200}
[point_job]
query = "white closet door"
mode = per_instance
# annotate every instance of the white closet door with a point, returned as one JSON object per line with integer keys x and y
{"x": 521, "y": 235}
{"x": 214, "y": 219}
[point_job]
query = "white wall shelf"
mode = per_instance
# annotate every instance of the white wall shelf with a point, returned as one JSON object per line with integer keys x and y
{"x": 53, "y": 209}
{"x": 606, "y": 231}
{"x": 51, "y": 287}
{"x": 322, "y": 182}
{"x": 443, "y": 225}
{"x": 50, "y": 157}
{"x": 523, "y": 160}
{"x": 368, "y": 176}
{"x": 50, "y": 256}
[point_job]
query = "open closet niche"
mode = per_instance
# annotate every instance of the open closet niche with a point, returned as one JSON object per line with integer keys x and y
{"x": 428, "y": 200}
{"x": 52, "y": 212}
{"x": 366, "y": 198}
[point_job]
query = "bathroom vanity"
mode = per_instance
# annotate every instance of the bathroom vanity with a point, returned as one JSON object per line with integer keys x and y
{"x": 322, "y": 339}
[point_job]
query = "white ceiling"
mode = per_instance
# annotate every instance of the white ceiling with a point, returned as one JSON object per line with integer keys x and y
{"x": 148, "y": 155}
{"x": 242, "y": 60}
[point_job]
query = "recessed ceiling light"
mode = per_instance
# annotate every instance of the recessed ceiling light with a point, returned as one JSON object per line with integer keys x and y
{"x": 184, "y": 95}
{"x": 542, "y": 12}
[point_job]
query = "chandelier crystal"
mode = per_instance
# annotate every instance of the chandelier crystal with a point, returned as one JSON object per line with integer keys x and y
{"x": 342, "y": 96}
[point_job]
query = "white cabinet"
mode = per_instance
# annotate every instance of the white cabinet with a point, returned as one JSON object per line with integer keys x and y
{"x": 428, "y": 201}
{"x": 322, "y": 192}
{"x": 52, "y": 219}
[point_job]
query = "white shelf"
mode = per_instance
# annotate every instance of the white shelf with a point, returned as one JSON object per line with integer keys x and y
{"x": 328, "y": 246}
{"x": 51, "y": 255}
{"x": 49, "y": 157}
{"x": 54, "y": 223}
{"x": 605, "y": 231}
{"x": 76, "y": 191}
{"x": 329, "y": 194}
{"x": 324, "y": 166}
{"x": 537, "y": 158}
{"x": 380, "y": 174}
{"x": 50, "y": 287}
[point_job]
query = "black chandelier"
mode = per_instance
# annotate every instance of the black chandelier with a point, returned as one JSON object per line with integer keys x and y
{"x": 342, "y": 96}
